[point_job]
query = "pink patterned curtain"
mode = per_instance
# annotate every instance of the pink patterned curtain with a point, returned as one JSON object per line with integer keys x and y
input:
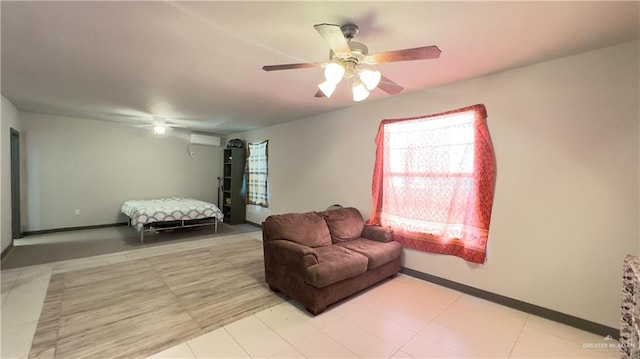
{"x": 433, "y": 182}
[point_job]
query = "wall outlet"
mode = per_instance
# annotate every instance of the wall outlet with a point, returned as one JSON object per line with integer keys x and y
{"x": 77, "y": 212}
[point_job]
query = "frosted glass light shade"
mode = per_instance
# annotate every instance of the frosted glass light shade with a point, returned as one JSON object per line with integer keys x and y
{"x": 370, "y": 78}
{"x": 333, "y": 73}
{"x": 359, "y": 92}
{"x": 159, "y": 130}
{"x": 327, "y": 88}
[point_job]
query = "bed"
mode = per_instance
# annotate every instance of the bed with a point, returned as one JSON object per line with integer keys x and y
{"x": 163, "y": 214}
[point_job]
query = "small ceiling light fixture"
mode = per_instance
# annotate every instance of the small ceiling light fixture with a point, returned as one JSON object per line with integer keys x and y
{"x": 159, "y": 130}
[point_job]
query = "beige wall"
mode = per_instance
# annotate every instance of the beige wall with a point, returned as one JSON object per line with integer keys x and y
{"x": 566, "y": 135}
{"x": 94, "y": 166}
{"x": 8, "y": 120}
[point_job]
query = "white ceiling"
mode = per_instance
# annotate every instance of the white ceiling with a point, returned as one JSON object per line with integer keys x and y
{"x": 199, "y": 63}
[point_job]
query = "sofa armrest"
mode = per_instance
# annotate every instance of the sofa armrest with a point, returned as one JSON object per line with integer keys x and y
{"x": 377, "y": 233}
{"x": 290, "y": 254}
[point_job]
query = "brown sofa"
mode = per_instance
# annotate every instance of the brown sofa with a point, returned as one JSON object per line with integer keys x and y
{"x": 319, "y": 258}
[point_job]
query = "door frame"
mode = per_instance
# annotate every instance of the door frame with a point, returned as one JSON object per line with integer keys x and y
{"x": 16, "y": 230}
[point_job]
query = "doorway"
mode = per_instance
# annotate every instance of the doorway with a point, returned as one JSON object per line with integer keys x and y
{"x": 16, "y": 231}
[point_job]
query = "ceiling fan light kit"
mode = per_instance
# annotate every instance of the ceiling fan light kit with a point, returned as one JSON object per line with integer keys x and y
{"x": 159, "y": 125}
{"x": 327, "y": 88}
{"x": 333, "y": 72}
{"x": 370, "y": 78}
{"x": 159, "y": 130}
{"x": 359, "y": 91}
{"x": 346, "y": 60}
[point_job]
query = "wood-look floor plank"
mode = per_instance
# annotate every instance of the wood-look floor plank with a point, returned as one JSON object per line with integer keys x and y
{"x": 90, "y": 297}
{"x": 228, "y": 308}
{"x": 139, "y": 307}
{"x": 130, "y": 337}
{"x": 205, "y": 274}
{"x": 78, "y": 322}
{"x": 107, "y": 273}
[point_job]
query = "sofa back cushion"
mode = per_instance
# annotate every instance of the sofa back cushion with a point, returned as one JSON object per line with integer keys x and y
{"x": 344, "y": 224}
{"x": 308, "y": 229}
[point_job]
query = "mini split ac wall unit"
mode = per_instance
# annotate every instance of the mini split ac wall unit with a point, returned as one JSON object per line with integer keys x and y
{"x": 205, "y": 140}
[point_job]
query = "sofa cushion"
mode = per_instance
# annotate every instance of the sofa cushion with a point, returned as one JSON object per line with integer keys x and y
{"x": 335, "y": 264}
{"x": 308, "y": 229}
{"x": 378, "y": 253}
{"x": 377, "y": 233}
{"x": 344, "y": 224}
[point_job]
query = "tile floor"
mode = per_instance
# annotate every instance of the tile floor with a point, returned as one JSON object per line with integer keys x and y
{"x": 400, "y": 318}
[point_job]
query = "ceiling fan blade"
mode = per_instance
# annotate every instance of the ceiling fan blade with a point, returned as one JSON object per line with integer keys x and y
{"x": 172, "y": 125}
{"x": 319, "y": 94}
{"x": 418, "y": 53}
{"x": 332, "y": 34}
{"x": 388, "y": 86}
{"x": 290, "y": 66}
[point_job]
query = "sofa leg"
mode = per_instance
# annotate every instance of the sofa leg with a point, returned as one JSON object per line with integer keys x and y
{"x": 316, "y": 311}
{"x": 274, "y": 289}
{"x": 393, "y": 275}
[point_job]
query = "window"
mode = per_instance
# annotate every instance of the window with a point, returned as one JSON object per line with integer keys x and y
{"x": 434, "y": 180}
{"x": 257, "y": 171}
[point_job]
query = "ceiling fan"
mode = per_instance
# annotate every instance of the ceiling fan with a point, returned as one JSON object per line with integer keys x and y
{"x": 160, "y": 125}
{"x": 347, "y": 59}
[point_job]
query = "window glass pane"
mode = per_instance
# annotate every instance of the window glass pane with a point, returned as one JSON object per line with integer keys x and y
{"x": 447, "y": 145}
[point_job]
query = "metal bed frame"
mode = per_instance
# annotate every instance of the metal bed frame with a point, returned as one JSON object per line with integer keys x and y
{"x": 162, "y": 226}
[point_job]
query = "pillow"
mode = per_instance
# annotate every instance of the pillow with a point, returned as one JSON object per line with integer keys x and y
{"x": 308, "y": 229}
{"x": 344, "y": 224}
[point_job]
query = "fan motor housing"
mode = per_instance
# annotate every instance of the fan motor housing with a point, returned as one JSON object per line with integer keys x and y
{"x": 349, "y": 30}
{"x": 358, "y": 52}
{"x": 358, "y": 47}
